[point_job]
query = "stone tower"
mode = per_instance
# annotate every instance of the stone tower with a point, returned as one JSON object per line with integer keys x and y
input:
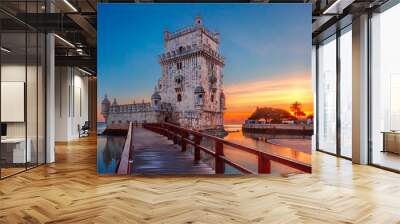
{"x": 192, "y": 76}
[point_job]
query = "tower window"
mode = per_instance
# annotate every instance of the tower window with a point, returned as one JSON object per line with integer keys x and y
{"x": 212, "y": 98}
{"x": 179, "y": 98}
{"x": 179, "y": 65}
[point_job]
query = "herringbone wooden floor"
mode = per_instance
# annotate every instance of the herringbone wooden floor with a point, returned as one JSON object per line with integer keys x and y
{"x": 70, "y": 191}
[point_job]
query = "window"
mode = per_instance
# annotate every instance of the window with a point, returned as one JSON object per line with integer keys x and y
{"x": 346, "y": 93}
{"x": 199, "y": 99}
{"x": 179, "y": 65}
{"x": 334, "y": 96}
{"x": 327, "y": 95}
{"x": 385, "y": 89}
{"x": 179, "y": 98}
{"x": 212, "y": 97}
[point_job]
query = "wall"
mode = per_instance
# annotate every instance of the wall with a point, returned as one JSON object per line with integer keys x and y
{"x": 139, "y": 117}
{"x": 71, "y": 102}
{"x": 33, "y": 126}
{"x": 15, "y": 72}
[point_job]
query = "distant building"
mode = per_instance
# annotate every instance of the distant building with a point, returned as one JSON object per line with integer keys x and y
{"x": 189, "y": 91}
{"x": 288, "y": 121}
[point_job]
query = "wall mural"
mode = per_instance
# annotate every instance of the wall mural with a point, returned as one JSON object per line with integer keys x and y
{"x": 204, "y": 89}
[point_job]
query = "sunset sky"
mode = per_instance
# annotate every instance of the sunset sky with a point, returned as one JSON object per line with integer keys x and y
{"x": 267, "y": 62}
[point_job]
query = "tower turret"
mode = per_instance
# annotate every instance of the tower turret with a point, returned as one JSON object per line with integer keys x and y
{"x": 155, "y": 100}
{"x": 198, "y": 21}
{"x": 115, "y": 103}
{"x": 105, "y": 107}
{"x": 166, "y": 37}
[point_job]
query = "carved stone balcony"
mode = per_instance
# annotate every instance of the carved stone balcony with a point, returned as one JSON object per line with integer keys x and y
{"x": 179, "y": 83}
{"x": 212, "y": 79}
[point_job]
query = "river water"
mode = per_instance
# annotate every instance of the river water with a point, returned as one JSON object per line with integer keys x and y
{"x": 259, "y": 142}
{"x": 109, "y": 149}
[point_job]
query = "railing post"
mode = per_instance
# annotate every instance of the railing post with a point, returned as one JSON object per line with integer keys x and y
{"x": 130, "y": 162}
{"x": 168, "y": 133}
{"x": 183, "y": 140}
{"x": 160, "y": 127}
{"x": 197, "y": 140}
{"x": 130, "y": 165}
{"x": 131, "y": 127}
{"x": 174, "y": 137}
{"x": 219, "y": 163}
{"x": 264, "y": 164}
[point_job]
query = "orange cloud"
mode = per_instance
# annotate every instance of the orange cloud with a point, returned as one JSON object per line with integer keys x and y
{"x": 243, "y": 98}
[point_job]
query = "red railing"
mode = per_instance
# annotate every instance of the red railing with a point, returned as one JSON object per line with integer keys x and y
{"x": 125, "y": 164}
{"x": 184, "y": 136}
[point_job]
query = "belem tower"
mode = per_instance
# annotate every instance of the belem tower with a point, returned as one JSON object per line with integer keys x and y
{"x": 189, "y": 92}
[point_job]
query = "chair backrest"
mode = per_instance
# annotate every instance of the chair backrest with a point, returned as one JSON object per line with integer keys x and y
{"x": 86, "y": 125}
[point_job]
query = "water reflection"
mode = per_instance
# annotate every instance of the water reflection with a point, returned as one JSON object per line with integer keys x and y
{"x": 259, "y": 142}
{"x": 109, "y": 150}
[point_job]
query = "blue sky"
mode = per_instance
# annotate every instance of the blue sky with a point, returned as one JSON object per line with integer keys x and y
{"x": 259, "y": 41}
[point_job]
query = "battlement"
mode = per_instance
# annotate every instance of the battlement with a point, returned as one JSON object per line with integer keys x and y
{"x": 191, "y": 50}
{"x": 139, "y": 107}
{"x": 131, "y": 108}
{"x": 189, "y": 29}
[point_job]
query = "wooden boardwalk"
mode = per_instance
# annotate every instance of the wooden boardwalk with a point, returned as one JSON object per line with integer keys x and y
{"x": 155, "y": 154}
